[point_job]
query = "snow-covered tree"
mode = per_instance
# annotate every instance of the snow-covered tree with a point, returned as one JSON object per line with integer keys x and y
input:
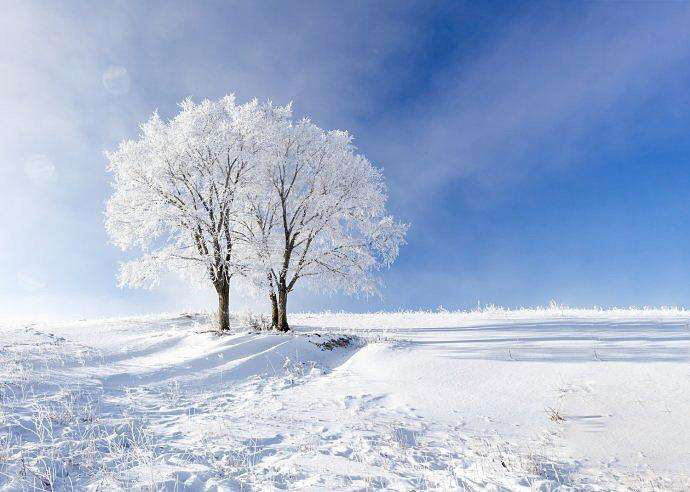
{"x": 224, "y": 189}
{"x": 316, "y": 213}
{"x": 178, "y": 192}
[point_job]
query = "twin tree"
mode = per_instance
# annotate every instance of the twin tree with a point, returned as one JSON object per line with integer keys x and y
{"x": 225, "y": 191}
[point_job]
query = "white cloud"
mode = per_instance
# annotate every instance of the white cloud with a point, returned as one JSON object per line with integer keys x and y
{"x": 40, "y": 169}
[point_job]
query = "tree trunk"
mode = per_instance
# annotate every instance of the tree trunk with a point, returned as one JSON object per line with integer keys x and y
{"x": 223, "y": 289}
{"x": 274, "y": 309}
{"x": 282, "y": 324}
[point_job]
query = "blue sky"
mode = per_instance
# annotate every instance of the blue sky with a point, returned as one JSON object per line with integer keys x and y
{"x": 540, "y": 150}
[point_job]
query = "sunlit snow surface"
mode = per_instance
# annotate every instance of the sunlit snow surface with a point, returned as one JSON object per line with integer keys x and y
{"x": 446, "y": 401}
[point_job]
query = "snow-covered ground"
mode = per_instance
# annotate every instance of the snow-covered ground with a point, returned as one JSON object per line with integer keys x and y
{"x": 500, "y": 400}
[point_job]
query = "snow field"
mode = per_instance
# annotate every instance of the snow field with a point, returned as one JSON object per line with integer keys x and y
{"x": 441, "y": 401}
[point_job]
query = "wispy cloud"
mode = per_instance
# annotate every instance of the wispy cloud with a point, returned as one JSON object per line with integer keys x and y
{"x": 29, "y": 283}
{"x": 40, "y": 169}
{"x": 538, "y": 94}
